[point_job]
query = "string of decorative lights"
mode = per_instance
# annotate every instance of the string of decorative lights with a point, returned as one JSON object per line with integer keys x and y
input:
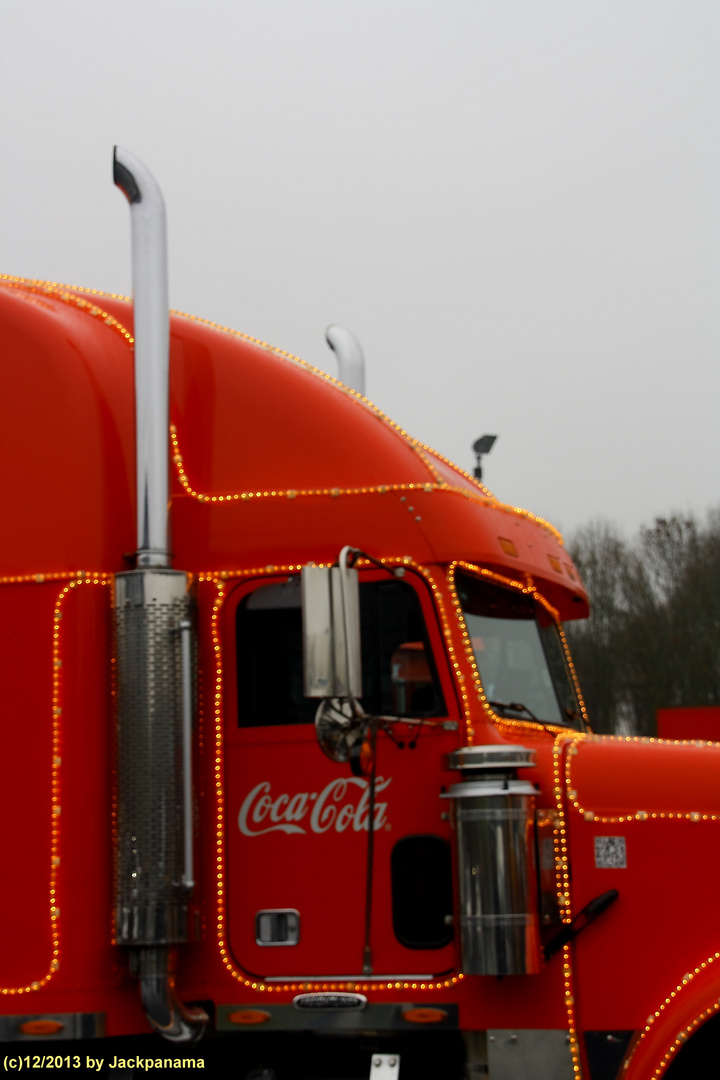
{"x": 573, "y": 673}
{"x": 390, "y": 562}
{"x": 562, "y": 865}
{"x": 633, "y": 815}
{"x": 65, "y": 293}
{"x": 473, "y": 480}
{"x": 52, "y": 575}
{"x": 564, "y": 786}
{"x": 290, "y": 493}
{"x": 60, "y": 292}
{"x": 560, "y": 835}
{"x": 335, "y": 492}
{"x": 73, "y": 582}
{"x": 219, "y": 579}
{"x": 569, "y": 994}
{"x": 415, "y": 444}
{"x": 682, "y": 1036}
{"x": 529, "y": 589}
{"x": 562, "y": 880}
{"x": 447, "y": 634}
{"x": 446, "y": 625}
{"x": 67, "y": 296}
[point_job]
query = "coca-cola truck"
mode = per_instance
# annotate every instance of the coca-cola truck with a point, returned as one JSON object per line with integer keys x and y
{"x": 292, "y": 741}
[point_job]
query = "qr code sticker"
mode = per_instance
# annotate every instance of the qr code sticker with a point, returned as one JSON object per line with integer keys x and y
{"x": 610, "y": 853}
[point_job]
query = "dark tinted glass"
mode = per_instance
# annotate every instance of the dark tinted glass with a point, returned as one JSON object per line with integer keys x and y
{"x": 562, "y": 679}
{"x": 422, "y": 892}
{"x": 399, "y": 675}
{"x": 270, "y": 658}
{"x": 519, "y": 653}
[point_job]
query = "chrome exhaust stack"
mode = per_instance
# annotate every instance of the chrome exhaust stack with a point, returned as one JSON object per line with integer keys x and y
{"x": 351, "y": 362}
{"x": 154, "y": 665}
{"x": 151, "y": 317}
{"x": 167, "y": 1015}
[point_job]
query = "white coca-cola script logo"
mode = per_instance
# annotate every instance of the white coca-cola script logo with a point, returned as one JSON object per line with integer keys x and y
{"x": 336, "y": 806}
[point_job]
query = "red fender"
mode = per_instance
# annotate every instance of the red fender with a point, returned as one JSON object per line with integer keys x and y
{"x": 685, "y": 1008}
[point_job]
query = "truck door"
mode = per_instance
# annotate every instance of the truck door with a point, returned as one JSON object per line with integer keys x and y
{"x": 297, "y": 826}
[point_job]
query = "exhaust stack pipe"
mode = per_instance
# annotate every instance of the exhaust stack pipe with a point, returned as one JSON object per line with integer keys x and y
{"x": 154, "y": 654}
{"x": 351, "y": 362}
{"x": 152, "y": 350}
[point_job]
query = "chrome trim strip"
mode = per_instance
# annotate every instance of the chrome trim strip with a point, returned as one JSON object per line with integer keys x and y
{"x": 187, "y": 718}
{"x": 375, "y": 1017}
{"x": 349, "y": 978}
{"x": 74, "y": 1026}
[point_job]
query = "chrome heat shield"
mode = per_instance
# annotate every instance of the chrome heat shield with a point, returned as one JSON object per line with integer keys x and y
{"x": 150, "y": 836}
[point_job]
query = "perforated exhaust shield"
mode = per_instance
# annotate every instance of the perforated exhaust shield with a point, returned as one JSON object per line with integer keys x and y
{"x": 150, "y": 898}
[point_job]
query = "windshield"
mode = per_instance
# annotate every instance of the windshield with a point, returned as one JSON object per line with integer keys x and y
{"x": 519, "y": 654}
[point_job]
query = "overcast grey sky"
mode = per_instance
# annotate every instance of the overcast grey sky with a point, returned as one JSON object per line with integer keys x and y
{"x": 512, "y": 203}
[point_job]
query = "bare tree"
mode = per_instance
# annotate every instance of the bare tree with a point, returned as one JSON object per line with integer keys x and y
{"x": 653, "y": 636}
{"x": 601, "y": 555}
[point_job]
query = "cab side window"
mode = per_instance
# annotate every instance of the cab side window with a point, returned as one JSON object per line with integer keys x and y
{"x": 399, "y": 674}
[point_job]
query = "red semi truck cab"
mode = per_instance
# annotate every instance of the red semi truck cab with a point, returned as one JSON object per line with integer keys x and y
{"x": 197, "y": 838}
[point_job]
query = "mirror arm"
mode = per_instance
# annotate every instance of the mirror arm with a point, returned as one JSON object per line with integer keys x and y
{"x": 343, "y": 557}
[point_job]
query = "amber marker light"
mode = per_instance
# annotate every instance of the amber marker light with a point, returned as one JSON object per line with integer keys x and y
{"x": 362, "y": 758}
{"x": 41, "y": 1027}
{"x": 508, "y": 547}
{"x": 249, "y": 1016}
{"x": 424, "y": 1016}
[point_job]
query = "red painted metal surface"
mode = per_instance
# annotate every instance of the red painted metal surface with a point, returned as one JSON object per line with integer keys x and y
{"x": 276, "y": 465}
{"x": 697, "y": 722}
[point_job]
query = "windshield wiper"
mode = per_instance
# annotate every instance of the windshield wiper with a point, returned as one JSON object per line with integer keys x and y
{"x": 515, "y": 706}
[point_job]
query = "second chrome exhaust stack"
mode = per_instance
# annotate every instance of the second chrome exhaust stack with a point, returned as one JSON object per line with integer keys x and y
{"x": 351, "y": 362}
{"x": 155, "y": 677}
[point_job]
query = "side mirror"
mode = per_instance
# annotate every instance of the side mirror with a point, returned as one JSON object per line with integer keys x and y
{"x": 331, "y": 630}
